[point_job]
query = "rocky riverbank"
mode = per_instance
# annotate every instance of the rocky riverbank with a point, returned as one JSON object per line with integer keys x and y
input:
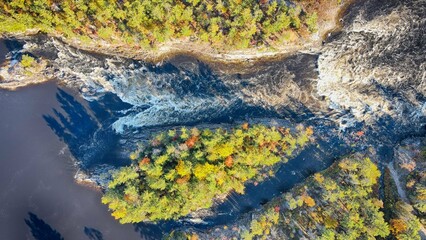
{"x": 376, "y": 67}
{"x": 13, "y": 75}
{"x": 225, "y": 60}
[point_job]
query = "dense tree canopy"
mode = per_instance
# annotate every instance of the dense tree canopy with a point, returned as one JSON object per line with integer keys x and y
{"x": 181, "y": 171}
{"x": 237, "y": 23}
{"x": 336, "y": 204}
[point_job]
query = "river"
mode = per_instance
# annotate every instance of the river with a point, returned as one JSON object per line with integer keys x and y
{"x": 101, "y": 106}
{"x": 49, "y": 131}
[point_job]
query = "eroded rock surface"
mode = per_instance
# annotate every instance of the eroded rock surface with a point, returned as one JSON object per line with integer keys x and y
{"x": 377, "y": 65}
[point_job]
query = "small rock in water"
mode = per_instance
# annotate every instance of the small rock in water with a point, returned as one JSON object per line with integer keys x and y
{"x": 196, "y": 221}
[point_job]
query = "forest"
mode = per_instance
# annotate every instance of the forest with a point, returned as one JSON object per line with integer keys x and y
{"x": 341, "y": 202}
{"x": 184, "y": 170}
{"x": 148, "y": 23}
{"x": 337, "y": 204}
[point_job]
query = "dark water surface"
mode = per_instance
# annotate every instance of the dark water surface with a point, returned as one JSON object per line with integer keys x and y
{"x": 36, "y": 176}
{"x": 3, "y": 49}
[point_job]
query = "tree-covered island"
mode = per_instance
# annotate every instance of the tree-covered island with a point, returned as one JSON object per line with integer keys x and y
{"x": 181, "y": 171}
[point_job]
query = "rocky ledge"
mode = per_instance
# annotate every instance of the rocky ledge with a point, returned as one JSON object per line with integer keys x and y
{"x": 14, "y": 74}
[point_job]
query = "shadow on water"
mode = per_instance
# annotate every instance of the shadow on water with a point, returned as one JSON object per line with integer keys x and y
{"x": 86, "y": 131}
{"x": 93, "y": 234}
{"x": 40, "y": 229}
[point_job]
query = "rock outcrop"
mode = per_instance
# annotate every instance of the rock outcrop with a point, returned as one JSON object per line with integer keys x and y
{"x": 376, "y": 66}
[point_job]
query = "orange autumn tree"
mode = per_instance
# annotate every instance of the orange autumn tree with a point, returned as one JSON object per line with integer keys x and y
{"x": 181, "y": 171}
{"x": 398, "y": 226}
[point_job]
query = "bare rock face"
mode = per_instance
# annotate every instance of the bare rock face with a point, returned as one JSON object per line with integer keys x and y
{"x": 377, "y": 66}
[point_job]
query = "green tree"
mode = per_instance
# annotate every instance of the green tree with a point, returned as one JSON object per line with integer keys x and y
{"x": 27, "y": 61}
{"x": 184, "y": 170}
{"x": 224, "y": 23}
